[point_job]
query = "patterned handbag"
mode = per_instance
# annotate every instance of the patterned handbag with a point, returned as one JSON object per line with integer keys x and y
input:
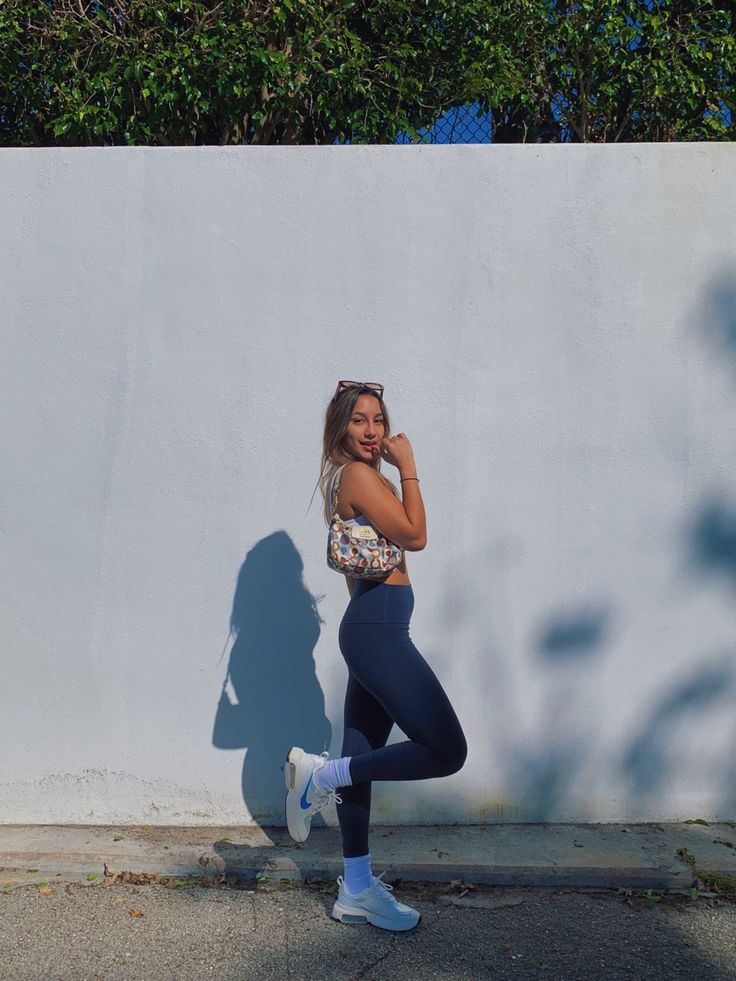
{"x": 359, "y": 551}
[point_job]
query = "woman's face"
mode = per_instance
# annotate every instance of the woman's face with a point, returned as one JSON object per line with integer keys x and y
{"x": 365, "y": 429}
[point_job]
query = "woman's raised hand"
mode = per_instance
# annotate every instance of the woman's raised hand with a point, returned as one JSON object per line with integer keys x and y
{"x": 397, "y": 450}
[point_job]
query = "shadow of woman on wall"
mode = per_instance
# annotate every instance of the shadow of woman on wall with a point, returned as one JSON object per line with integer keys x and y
{"x": 271, "y": 698}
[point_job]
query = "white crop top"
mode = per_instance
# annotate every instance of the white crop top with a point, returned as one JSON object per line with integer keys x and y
{"x": 356, "y": 520}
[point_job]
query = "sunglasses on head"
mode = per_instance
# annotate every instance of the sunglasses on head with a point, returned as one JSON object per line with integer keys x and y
{"x": 373, "y": 386}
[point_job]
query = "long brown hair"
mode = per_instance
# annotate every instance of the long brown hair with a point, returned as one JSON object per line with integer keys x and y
{"x": 337, "y": 418}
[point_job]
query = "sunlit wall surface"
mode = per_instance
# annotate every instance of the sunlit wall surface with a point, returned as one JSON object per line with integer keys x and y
{"x": 555, "y": 327}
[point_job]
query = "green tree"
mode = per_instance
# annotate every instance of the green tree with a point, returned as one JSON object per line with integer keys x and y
{"x": 236, "y": 71}
{"x": 610, "y": 70}
{"x": 75, "y": 72}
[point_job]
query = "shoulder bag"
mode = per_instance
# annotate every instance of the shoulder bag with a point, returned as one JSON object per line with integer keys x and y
{"x": 357, "y": 550}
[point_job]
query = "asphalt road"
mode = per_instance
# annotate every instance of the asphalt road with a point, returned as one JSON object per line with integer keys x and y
{"x": 102, "y": 932}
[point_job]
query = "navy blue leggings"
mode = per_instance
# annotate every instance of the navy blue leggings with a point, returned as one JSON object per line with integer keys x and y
{"x": 389, "y": 682}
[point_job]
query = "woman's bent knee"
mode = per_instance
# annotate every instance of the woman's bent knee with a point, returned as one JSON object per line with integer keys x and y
{"x": 454, "y": 756}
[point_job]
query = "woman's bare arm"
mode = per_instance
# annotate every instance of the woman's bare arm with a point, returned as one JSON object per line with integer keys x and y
{"x": 401, "y": 521}
{"x": 413, "y": 503}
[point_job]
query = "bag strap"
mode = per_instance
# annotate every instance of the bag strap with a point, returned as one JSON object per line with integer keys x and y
{"x": 334, "y": 485}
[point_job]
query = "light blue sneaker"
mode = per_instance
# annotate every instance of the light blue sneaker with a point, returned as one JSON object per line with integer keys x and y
{"x": 304, "y": 799}
{"x": 374, "y": 905}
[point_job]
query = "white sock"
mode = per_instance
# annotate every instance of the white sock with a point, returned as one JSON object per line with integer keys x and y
{"x": 334, "y": 774}
{"x": 358, "y": 875}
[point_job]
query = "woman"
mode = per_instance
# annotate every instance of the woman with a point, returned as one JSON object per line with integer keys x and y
{"x": 388, "y": 679}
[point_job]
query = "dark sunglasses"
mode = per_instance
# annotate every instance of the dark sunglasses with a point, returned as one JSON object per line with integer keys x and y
{"x": 373, "y": 386}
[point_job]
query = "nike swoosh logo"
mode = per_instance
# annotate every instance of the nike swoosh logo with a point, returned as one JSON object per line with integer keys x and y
{"x": 304, "y": 802}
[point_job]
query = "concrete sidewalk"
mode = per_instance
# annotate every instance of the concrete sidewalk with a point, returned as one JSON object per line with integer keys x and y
{"x": 638, "y": 856}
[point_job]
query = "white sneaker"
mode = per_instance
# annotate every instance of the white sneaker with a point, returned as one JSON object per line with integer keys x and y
{"x": 304, "y": 798}
{"x": 374, "y": 905}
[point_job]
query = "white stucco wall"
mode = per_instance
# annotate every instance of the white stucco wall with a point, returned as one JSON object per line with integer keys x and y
{"x": 556, "y": 330}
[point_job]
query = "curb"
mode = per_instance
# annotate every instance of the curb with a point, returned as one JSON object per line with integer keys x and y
{"x": 543, "y": 856}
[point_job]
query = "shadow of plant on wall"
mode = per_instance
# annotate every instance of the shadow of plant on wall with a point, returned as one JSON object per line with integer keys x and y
{"x": 682, "y": 736}
{"x": 712, "y": 537}
{"x": 566, "y": 647}
{"x": 271, "y": 698}
{"x": 662, "y": 746}
{"x": 718, "y": 319}
{"x": 681, "y": 715}
{"x": 537, "y": 765}
{"x": 680, "y": 744}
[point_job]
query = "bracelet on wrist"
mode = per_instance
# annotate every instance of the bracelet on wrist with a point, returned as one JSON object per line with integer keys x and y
{"x": 410, "y": 478}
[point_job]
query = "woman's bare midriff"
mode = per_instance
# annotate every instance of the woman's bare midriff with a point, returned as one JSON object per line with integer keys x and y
{"x": 400, "y": 575}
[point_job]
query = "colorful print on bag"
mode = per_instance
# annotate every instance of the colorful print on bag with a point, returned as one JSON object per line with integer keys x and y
{"x": 359, "y": 550}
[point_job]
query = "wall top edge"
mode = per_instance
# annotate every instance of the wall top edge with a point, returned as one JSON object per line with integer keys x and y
{"x": 710, "y": 145}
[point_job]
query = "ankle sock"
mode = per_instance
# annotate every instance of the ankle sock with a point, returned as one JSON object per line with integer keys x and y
{"x": 334, "y": 774}
{"x": 358, "y": 875}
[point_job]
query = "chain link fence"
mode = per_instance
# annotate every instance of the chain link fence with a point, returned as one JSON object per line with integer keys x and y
{"x": 459, "y": 125}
